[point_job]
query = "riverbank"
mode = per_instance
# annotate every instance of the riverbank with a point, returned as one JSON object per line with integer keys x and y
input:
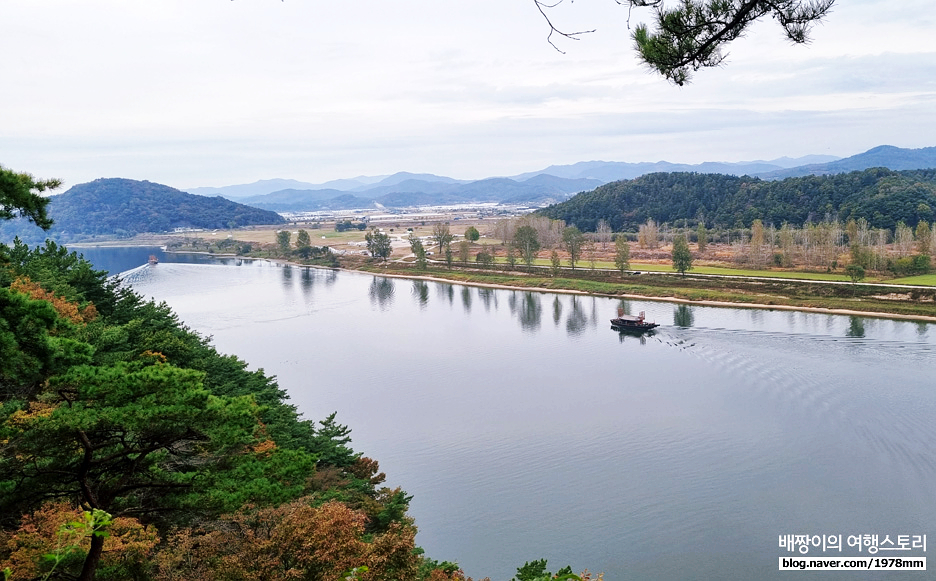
{"x": 708, "y": 291}
{"x": 867, "y": 300}
{"x": 709, "y": 303}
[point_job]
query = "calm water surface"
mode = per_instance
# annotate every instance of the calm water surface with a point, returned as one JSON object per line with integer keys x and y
{"x": 525, "y": 428}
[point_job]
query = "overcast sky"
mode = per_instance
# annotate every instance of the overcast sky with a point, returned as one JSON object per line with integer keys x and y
{"x": 217, "y": 92}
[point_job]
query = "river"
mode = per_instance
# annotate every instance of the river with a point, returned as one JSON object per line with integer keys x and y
{"x": 526, "y": 428}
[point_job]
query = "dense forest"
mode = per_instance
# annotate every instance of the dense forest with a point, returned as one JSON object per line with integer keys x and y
{"x": 124, "y": 208}
{"x": 881, "y": 196}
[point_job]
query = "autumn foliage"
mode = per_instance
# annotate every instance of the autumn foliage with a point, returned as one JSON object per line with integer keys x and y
{"x": 44, "y": 532}
{"x": 294, "y": 541}
{"x": 66, "y": 309}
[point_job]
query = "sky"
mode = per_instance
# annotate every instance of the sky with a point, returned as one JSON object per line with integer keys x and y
{"x": 194, "y": 93}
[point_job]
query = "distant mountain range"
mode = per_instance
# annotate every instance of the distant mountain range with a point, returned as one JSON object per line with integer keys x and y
{"x": 888, "y": 156}
{"x": 122, "y": 207}
{"x": 407, "y": 190}
{"x": 550, "y": 185}
{"x": 372, "y": 187}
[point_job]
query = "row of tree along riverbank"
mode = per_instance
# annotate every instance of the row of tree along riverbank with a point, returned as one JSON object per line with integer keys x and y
{"x": 470, "y": 261}
{"x": 916, "y": 303}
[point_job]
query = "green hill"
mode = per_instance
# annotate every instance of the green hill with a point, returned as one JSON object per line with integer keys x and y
{"x": 121, "y": 207}
{"x": 881, "y": 196}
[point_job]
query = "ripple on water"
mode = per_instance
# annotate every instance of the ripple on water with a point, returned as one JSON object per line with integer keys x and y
{"x": 880, "y": 412}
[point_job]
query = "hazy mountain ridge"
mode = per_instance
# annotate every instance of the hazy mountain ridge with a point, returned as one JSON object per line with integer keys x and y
{"x": 123, "y": 207}
{"x": 600, "y": 172}
{"x": 416, "y": 192}
{"x": 888, "y": 156}
{"x": 588, "y": 174}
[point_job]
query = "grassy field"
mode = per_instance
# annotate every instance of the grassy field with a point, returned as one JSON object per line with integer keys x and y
{"x": 717, "y": 270}
{"x": 922, "y": 280}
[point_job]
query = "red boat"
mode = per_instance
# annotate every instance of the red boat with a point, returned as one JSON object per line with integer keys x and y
{"x": 631, "y": 323}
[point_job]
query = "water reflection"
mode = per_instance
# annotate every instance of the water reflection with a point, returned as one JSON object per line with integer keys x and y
{"x": 466, "y": 298}
{"x": 682, "y": 316}
{"x": 624, "y": 306}
{"x": 487, "y": 296}
{"x": 696, "y": 429}
{"x": 577, "y": 320}
{"x": 531, "y": 311}
{"x": 557, "y": 310}
{"x": 421, "y": 292}
{"x": 331, "y": 277}
{"x": 446, "y": 291}
{"x": 307, "y": 281}
{"x": 287, "y": 276}
{"x": 756, "y": 315}
{"x": 381, "y": 292}
{"x": 631, "y": 336}
{"x": 855, "y": 327}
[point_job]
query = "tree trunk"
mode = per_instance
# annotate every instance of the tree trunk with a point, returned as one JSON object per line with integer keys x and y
{"x": 93, "y": 558}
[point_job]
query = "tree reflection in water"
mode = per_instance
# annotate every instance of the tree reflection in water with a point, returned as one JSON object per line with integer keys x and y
{"x": 682, "y": 316}
{"x": 577, "y": 320}
{"x": 531, "y": 311}
{"x": 307, "y": 281}
{"x": 855, "y": 327}
{"x": 624, "y": 306}
{"x": 466, "y": 298}
{"x": 381, "y": 292}
{"x": 421, "y": 292}
{"x": 446, "y": 291}
{"x": 557, "y": 310}
{"x": 487, "y": 296}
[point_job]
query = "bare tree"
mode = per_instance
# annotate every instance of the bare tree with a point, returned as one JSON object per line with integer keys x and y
{"x": 504, "y": 229}
{"x": 548, "y": 232}
{"x": 923, "y": 237}
{"x": 786, "y": 245}
{"x": 603, "y": 233}
{"x": 648, "y": 235}
{"x": 903, "y": 238}
{"x": 757, "y": 253}
{"x": 442, "y": 235}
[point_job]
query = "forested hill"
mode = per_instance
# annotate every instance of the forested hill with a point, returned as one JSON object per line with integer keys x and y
{"x": 122, "y": 207}
{"x": 881, "y": 196}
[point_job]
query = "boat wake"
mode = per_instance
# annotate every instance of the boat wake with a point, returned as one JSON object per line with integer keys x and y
{"x": 844, "y": 398}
